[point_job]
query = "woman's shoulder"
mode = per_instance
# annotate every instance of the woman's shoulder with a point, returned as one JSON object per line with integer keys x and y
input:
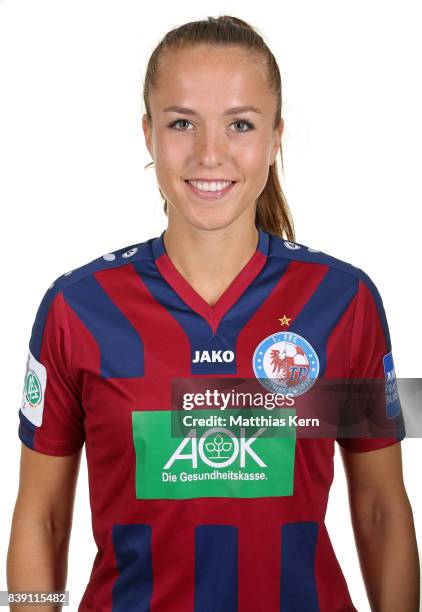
{"x": 296, "y": 251}
{"x": 111, "y": 260}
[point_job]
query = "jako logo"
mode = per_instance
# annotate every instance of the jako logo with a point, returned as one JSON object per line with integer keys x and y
{"x": 215, "y": 450}
{"x": 213, "y": 356}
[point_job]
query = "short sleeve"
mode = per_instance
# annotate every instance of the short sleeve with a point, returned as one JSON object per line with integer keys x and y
{"x": 51, "y": 416}
{"x": 371, "y": 368}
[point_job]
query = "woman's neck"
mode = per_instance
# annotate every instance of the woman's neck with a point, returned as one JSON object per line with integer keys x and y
{"x": 209, "y": 260}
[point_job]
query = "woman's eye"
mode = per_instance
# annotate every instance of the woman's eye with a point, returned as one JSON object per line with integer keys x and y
{"x": 178, "y": 121}
{"x": 249, "y": 125}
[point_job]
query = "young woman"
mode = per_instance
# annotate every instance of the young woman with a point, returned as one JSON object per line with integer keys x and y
{"x": 212, "y": 519}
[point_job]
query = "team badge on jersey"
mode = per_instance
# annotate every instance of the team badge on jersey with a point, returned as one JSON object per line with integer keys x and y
{"x": 286, "y": 363}
{"x": 34, "y": 389}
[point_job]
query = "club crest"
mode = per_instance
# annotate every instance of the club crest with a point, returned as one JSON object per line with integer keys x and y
{"x": 286, "y": 363}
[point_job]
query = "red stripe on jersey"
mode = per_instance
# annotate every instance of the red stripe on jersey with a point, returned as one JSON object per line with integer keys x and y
{"x": 61, "y": 431}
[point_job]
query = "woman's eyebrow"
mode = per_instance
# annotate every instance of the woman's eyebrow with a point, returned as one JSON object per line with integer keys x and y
{"x": 230, "y": 111}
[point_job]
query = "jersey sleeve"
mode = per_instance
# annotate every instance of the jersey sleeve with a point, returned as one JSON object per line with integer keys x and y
{"x": 371, "y": 368}
{"x": 51, "y": 416}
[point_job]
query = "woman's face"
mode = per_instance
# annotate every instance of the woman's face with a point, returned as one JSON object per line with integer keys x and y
{"x": 206, "y": 139}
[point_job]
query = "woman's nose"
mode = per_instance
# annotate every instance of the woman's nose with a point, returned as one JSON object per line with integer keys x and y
{"x": 211, "y": 147}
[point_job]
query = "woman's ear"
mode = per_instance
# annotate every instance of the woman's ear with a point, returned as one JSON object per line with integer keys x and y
{"x": 278, "y": 132}
{"x": 146, "y": 127}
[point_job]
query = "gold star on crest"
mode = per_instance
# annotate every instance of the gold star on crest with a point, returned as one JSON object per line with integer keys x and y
{"x": 284, "y": 321}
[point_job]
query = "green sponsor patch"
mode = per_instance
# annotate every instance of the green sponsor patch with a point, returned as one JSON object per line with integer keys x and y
{"x": 221, "y": 461}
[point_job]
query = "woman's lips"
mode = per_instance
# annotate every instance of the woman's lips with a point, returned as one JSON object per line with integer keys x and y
{"x": 210, "y": 195}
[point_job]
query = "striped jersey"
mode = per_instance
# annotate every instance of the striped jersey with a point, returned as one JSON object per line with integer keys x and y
{"x": 196, "y": 507}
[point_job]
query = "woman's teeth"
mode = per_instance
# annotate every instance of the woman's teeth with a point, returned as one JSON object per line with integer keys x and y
{"x": 215, "y": 186}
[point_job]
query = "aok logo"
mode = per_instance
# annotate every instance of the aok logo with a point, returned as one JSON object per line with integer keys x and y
{"x": 217, "y": 447}
{"x": 213, "y": 356}
{"x": 221, "y": 461}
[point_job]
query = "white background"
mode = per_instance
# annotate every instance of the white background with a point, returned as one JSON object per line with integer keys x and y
{"x": 73, "y": 184}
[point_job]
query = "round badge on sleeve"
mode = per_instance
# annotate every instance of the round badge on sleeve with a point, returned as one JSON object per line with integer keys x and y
{"x": 286, "y": 363}
{"x": 34, "y": 390}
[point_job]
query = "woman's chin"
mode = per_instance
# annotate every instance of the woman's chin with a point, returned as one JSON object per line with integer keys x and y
{"x": 211, "y": 219}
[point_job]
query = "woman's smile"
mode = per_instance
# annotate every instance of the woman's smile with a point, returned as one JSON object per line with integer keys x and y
{"x": 210, "y": 190}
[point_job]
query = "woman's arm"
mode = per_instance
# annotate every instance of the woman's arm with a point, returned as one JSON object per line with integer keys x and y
{"x": 41, "y": 524}
{"x": 383, "y": 527}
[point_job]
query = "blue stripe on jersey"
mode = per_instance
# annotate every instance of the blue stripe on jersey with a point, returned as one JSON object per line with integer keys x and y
{"x": 26, "y": 431}
{"x": 39, "y": 324}
{"x": 198, "y": 329}
{"x": 300, "y": 252}
{"x": 323, "y": 310}
{"x": 121, "y": 348}
{"x": 132, "y": 591}
{"x": 378, "y": 301}
{"x": 216, "y": 563}
{"x": 298, "y": 590}
{"x": 278, "y": 248}
{"x": 263, "y": 241}
{"x": 69, "y": 279}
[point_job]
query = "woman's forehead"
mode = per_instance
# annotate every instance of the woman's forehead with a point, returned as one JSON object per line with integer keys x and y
{"x": 217, "y": 78}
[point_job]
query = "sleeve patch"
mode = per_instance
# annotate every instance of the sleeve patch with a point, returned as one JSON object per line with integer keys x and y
{"x": 34, "y": 390}
{"x": 393, "y": 407}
